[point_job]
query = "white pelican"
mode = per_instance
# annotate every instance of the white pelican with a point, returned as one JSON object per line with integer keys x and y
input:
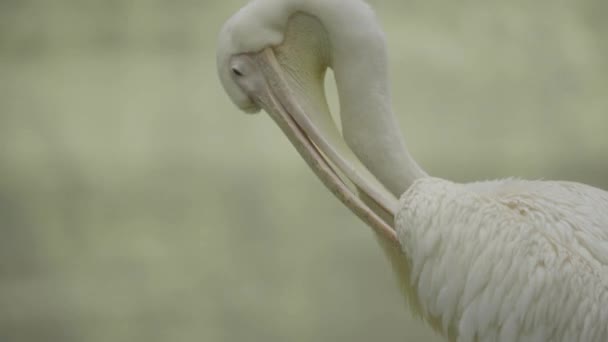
{"x": 506, "y": 260}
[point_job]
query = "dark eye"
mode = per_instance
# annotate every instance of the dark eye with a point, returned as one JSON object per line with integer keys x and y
{"x": 237, "y": 71}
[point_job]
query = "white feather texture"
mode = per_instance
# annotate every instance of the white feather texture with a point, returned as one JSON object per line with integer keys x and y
{"x": 508, "y": 260}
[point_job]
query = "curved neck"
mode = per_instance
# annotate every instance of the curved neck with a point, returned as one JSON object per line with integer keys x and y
{"x": 360, "y": 64}
{"x": 369, "y": 125}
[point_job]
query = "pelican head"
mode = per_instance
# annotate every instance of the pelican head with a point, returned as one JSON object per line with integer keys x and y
{"x": 273, "y": 55}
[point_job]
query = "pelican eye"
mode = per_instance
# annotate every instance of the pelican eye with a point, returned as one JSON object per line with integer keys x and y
{"x": 237, "y": 72}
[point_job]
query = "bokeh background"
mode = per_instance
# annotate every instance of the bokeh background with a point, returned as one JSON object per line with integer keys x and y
{"x": 137, "y": 204}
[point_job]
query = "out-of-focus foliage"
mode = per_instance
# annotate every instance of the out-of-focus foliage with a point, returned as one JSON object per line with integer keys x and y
{"x": 137, "y": 204}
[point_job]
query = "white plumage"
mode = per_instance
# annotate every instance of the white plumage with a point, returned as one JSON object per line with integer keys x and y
{"x": 508, "y": 260}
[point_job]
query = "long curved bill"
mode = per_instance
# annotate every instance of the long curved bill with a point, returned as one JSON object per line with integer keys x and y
{"x": 318, "y": 141}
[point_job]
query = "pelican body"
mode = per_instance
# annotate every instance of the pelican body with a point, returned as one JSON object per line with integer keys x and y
{"x": 506, "y": 260}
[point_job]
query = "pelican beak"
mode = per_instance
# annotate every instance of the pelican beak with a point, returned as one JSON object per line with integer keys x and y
{"x": 292, "y": 93}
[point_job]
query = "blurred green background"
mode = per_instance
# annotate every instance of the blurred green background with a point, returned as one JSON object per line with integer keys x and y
{"x": 138, "y": 204}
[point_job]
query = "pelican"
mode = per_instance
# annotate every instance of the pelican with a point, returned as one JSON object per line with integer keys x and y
{"x": 504, "y": 260}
